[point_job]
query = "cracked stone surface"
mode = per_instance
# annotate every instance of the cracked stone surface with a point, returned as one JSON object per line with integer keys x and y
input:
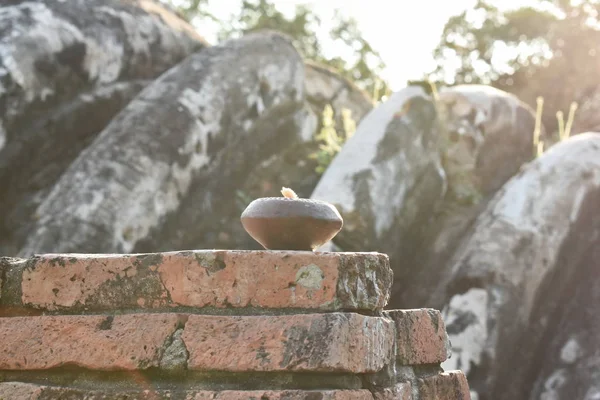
{"x": 421, "y": 336}
{"x": 336, "y": 342}
{"x": 221, "y": 279}
{"x": 98, "y": 342}
{"x": 176, "y": 355}
{"x": 450, "y": 385}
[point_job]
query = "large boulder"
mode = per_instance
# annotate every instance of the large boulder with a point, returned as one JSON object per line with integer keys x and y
{"x": 171, "y": 158}
{"x": 54, "y": 50}
{"x": 392, "y": 153}
{"x": 66, "y": 69}
{"x": 444, "y": 185}
{"x": 487, "y": 135}
{"x": 520, "y": 292}
{"x": 417, "y": 172}
{"x": 46, "y": 149}
{"x": 567, "y": 363}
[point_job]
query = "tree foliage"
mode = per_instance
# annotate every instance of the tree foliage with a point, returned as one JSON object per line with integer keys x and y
{"x": 190, "y": 9}
{"x": 361, "y": 63}
{"x": 548, "y": 49}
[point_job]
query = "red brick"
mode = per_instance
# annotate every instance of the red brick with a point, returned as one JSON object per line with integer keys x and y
{"x": 450, "y": 385}
{"x": 401, "y": 391}
{"x": 5, "y": 264}
{"x": 421, "y": 336}
{"x": 26, "y": 391}
{"x": 268, "y": 279}
{"x": 340, "y": 342}
{"x": 306, "y": 342}
{"x": 125, "y": 342}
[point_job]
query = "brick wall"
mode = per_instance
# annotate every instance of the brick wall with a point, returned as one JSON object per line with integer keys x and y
{"x": 215, "y": 325}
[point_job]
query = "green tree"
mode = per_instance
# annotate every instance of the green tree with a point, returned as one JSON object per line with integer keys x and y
{"x": 367, "y": 65}
{"x": 190, "y": 9}
{"x": 363, "y": 65}
{"x": 549, "y": 49}
{"x": 262, "y": 14}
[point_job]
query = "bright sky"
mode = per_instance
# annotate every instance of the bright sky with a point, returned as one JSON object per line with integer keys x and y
{"x": 405, "y": 32}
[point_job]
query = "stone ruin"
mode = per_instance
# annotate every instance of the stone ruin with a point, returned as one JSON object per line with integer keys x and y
{"x": 123, "y": 131}
{"x": 216, "y": 325}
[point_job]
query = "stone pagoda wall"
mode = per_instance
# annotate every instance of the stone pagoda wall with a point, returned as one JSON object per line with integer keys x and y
{"x": 216, "y": 325}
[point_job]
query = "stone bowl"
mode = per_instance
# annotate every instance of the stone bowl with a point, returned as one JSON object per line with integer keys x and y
{"x": 280, "y": 223}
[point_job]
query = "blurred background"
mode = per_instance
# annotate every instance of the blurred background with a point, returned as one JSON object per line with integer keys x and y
{"x": 514, "y": 45}
{"x": 459, "y": 137}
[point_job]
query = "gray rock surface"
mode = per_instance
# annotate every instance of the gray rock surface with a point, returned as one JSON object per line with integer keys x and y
{"x": 53, "y": 49}
{"x": 568, "y": 362}
{"x": 487, "y": 136}
{"x": 501, "y": 245}
{"x": 518, "y": 273}
{"x": 30, "y": 167}
{"x": 418, "y": 171}
{"x": 66, "y": 69}
{"x": 150, "y": 174}
{"x": 390, "y": 156}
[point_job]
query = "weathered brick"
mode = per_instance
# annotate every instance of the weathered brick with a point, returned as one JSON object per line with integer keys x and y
{"x": 5, "y": 264}
{"x": 234, "y": 279}
{"x": 337, "y": 342}
{"x": 306, "y": 342}
{"x": 401, "y": 391}
{"x": 26, "y": 391}
{"x": 449, "y": 385}
{"x": 123, "y": 342}
{"x": 421, "y": 336}
{"x": 290, "y": 395}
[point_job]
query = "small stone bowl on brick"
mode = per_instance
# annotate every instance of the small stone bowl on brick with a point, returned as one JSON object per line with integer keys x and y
{"x": 280, "y": 223}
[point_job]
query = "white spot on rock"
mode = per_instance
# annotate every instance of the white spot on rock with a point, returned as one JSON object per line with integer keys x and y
{"x": 466, "y": 313}
{"x": 277, "y": 79}
{"x": 310, "y": 276}
{"x": 571, "y": 351}
{"x": 593, "y": 393}
{"x": 306, "y": 122}
{"x": 553, "y": 384}
{"x": 47, "y": 34}
{"x": 254, "y": 100}
{"x": 104, "y": 62}
{"x": 194, "y": 100}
